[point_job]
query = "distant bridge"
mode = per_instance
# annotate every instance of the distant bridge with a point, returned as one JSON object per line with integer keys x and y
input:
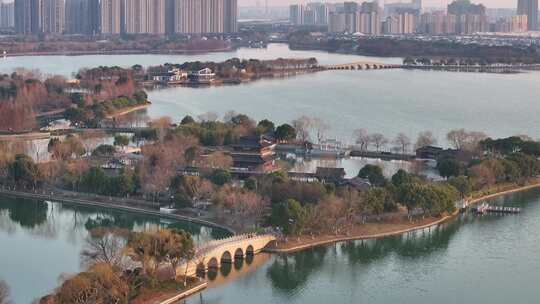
{"x": 361, "y": 65}
{"x": 214, "y": 253}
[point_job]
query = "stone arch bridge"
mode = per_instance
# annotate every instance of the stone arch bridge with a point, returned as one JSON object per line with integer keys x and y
{"x": 212, "y": 254}
{"x": 361, "y": 65}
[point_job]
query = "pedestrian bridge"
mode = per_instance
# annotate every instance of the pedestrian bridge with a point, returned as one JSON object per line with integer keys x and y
{"x": 212, "y": 254}
{"x": 362, "y": 65}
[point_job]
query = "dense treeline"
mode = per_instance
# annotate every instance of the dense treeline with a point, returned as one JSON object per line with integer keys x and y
{"x": 101, "y": 91}
{"x": 23, "y": 95}
{"x": 124, "y": 44}
{"x": 238, "y": 68}
{"x": 414, "y": 48}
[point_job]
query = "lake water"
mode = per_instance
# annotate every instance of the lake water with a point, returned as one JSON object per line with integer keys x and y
{"x": 488, "y": 259}
{"x": 492, "y": 259}
{"x": 385, "y": 101}
{"x": 40, "y": 241}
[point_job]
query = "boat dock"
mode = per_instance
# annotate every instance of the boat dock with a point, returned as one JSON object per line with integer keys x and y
{"x": 486, "y": 208}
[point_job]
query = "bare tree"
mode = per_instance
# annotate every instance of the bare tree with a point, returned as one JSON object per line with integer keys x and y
{"x": 161, "y": 125}
{"x": 320, "y": 127}
{"x": 378, "y": 141}
{"x": 302, "y": 126}
{"x": 403, "y": 142}
{"x": 362, "y": 138}
{"x": 91, "y": 139}
{"x": 457, "y": 138}
{"x": 463, "y": 140}
{"x": 425, "y": 138}
{"x": 473, "y": 140}
{"x": 4, "y": 293}
{"x": 104, "y": 246}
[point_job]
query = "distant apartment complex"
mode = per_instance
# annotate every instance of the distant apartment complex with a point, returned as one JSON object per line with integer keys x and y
{"x": 144, "y": 16}
{"x": 83, "y": 17}
{"x": 112, "y": 17}
{"x": 7, "y": 13}
{"x": 513, "y": 24}
{"x": 205, "y": 16}
{"x": 310, "y": 14}
{"x": 461, "y": 17}
{"x": 530, "y": 9}
{"x": 52, "y": 16}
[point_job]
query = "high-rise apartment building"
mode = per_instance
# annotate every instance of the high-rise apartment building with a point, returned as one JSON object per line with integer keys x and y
{"x": 111, "y": 16}
{"x": 144, "y": 16}
{"x": 205, "y": 16}
{"x": 402, "y": 23}
{"x": 296, "y": 14}
{"x": 169, "y": 17}
{"x": 529, "y": 8}
{"x": 351, "y": 18}
{"x": 7, "y": 14}
{"x": 470, "y": 18}
{"x": 27, "y": 16}
{"x": 513, "y": 24}
{"x": 82, "y": 17}
{"x": 52, "y": 16}
{"x": 314, "y": 13}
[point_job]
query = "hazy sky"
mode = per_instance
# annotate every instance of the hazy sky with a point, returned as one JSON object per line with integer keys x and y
{"x": 441, "y": 3}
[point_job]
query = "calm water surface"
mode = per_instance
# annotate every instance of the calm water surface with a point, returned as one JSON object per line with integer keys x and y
{"x": 386, "y": 101}
{"x": 488, "y": 259}
{"x": 39, "y": 241}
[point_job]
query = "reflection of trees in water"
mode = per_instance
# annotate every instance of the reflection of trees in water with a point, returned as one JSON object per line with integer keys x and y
{"x": 46, "y": 219}
{"x": 289, "y": 272}
{"x": 414, "y": 245}
{"x": 27, "y": 213}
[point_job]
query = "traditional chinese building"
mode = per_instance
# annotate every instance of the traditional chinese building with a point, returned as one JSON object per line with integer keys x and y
{"x": 254, "y": 154}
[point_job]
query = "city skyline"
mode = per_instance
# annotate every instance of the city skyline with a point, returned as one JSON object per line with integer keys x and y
{"x": 426, "y": 3}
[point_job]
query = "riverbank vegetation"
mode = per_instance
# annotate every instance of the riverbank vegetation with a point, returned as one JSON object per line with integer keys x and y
{"x": 191, "y": 166}
{"x": 127, "y": 44}
{"x": 128, "y": 267}
{"x": 425, "y": 50}
{"x": 27, "y": 97}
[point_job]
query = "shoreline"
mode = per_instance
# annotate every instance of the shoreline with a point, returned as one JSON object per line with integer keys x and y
{"x": 337, "y": 239}
{"x": 129, "y": 110}
{"x": 182, "y": 295}
{"x": 119, "y": 52}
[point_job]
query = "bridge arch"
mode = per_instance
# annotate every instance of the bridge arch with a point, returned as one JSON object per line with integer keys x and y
{"x": 201, "y": 268}
{"x": 239, "y": 253}
{"x": 226, "y": 257}
{"x": 249, "y": 250}
{"x": 213, "y": 263}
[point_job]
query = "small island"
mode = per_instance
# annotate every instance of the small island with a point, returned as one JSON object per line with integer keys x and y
{"x": 232, "y": 71}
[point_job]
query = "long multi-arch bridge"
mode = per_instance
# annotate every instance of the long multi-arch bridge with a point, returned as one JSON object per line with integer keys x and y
{"x": 361, "y": 65}
{"x": 212, "y": 254}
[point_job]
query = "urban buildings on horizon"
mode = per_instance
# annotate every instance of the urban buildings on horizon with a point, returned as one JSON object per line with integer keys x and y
{"x": 94, "y": 17}
{"x": 460, "y": 17}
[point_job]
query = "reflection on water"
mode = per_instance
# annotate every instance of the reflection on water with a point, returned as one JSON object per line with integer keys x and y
{"x": 41, "y": 240}
{"x": 468, "y": 260}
